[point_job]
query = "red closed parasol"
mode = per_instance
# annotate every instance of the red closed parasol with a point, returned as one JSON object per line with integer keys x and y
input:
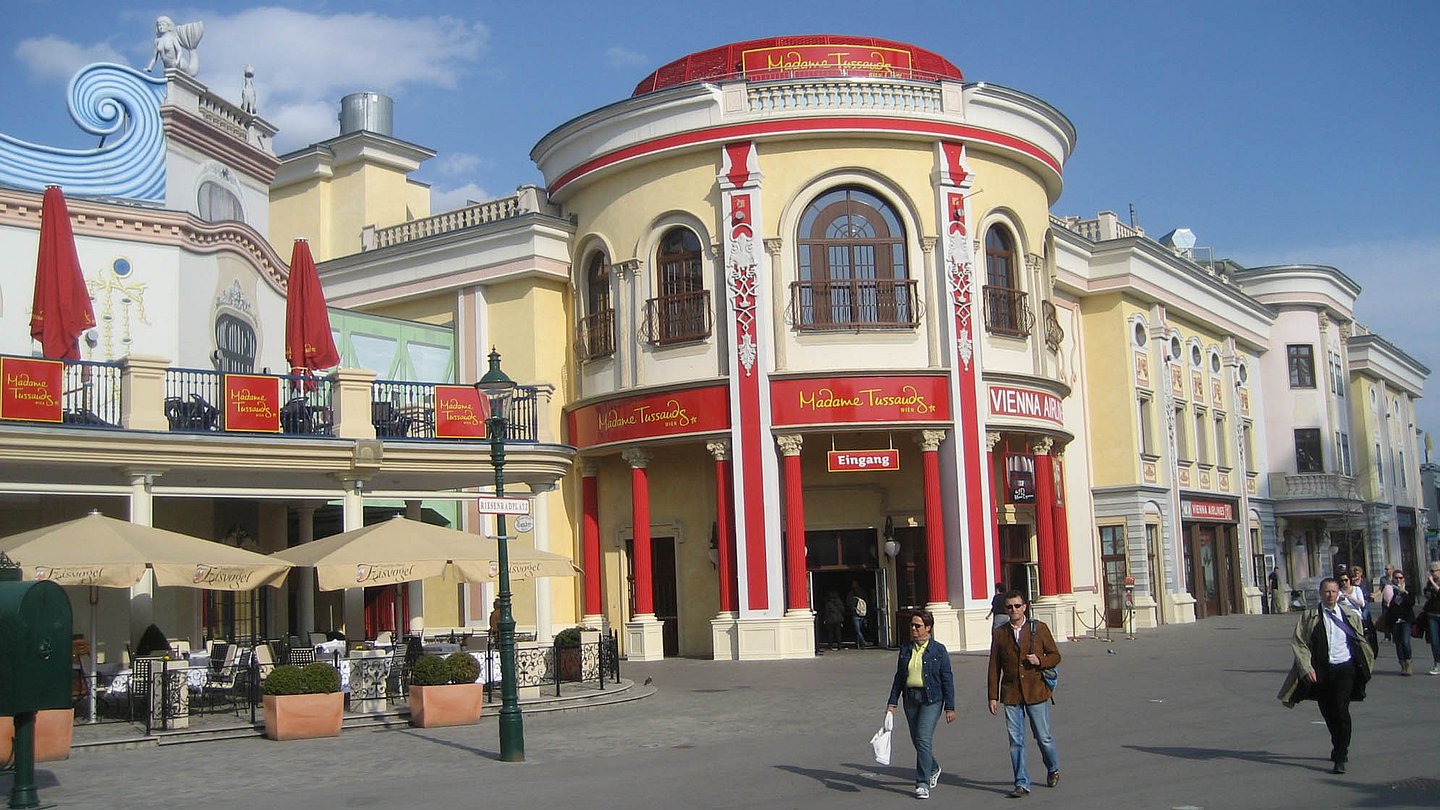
{"x": 308, "y": 342}
{"x": 61, "y": 309}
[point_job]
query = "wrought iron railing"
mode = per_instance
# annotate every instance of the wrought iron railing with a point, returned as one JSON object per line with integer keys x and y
{"x": 406, "y": 410}
{"x": 679, "y": 318}
{"x": 195, "y": 402}
{"x": 855, "y": 303}
{"x": 92, "y": 394}
{"x": 1007, "y": 312}
{"x": 595, "y": 335}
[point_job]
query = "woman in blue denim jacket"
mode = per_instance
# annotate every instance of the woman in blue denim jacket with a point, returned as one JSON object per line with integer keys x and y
{"x": 928, "y": 686}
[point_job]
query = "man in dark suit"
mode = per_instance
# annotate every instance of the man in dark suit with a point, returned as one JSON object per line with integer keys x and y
{"x": 1019, "y": 650}
{"x": 1332, "y": 665}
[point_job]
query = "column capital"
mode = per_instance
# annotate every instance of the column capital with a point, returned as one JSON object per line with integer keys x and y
{"x": 636, "y": 457}
{"x": 143, "y": 476}
{"x": 992, "y": 438}
{"x": 589, "y": 467}
{"x": 719, "y": 449}
{"x": 1041, "y": 447}
{"x": 773, "y": 245}
{"x": 790, "y": 443}
{"x": 629, "y": 267}
{"x": 927, "y": 244}
{"x": 929, "y": 440}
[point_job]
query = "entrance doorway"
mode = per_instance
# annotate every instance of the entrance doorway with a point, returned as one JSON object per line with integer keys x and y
{"x": 839, "y": 559}
{"x": 1015, "y": 562}
{"x": 662, "y": 589}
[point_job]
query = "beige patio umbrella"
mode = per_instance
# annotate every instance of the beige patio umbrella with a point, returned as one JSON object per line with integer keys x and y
{"x": 401, "y": 550}
{"x": 100, "y": 551}
{"x": 103, "y": 551}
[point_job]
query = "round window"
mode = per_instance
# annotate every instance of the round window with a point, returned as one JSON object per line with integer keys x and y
{"x": 1140, "y": 334}
{"x": 1244, "y": 373}
{"x": 1214, "y": 362}
{"x": 1195, "y": 355}
{"x": 1175, "y": 347}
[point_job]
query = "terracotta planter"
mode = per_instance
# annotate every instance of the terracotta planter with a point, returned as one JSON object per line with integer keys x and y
{"x": 568, "y": 661}
{"x": 302, "y": 717}
{"x": 456, "y": 704}
{"x": 53, "y": 728}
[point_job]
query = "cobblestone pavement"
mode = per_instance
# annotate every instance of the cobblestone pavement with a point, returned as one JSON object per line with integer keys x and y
{"x": 1183, "y": 717}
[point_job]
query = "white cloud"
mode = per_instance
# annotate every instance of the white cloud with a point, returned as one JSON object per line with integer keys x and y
{"x": 619, "y": 57}
{"x": 304, "y": 62}
{"x": 52, "y": 58}
{"x": 458, "y": 164}
{"x": 449, "y": 199}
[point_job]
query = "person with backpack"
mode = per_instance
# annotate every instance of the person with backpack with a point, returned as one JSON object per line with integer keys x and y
{"x": 1020, "y": 651}
{"x": 1399, "y": 613}
{"x": 858, "y": 611}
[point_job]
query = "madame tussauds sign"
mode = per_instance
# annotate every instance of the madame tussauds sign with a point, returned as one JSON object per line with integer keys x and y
{"x": 829, "y": 400}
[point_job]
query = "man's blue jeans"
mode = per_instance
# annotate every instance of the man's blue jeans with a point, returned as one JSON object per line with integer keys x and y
{"x": 922, "y": 718}
{"x": 1039, "y": 715}
{"x": 859, "y": 622}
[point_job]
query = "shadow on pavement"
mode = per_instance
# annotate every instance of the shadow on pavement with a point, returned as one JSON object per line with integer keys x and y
{"x": 1263, "y": 757}
{"x": 871, "y": 776}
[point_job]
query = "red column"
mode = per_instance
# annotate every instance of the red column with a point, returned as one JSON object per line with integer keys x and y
{"x": 1045, "y": 516}
{"x": 640, "y": 516}
{"x": 590, "y": 537}
{"x": 796, "y": 597}
{"x": 929, "y": 441}
{"x": 992, "y": 439}
{"x": 1062, "y": 531}
{"x": 725, "y": 564}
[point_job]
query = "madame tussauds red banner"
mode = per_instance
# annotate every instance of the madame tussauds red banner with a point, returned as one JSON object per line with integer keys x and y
{"x": 674, "y": 413}
{"x": 460, "y": 412}
{"x": 855, "y": 400}
{"x": 252, "y": 403}
{"x": 32, "y": 389}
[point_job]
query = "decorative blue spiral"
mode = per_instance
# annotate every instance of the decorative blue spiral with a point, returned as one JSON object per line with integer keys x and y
{"x": 122, "y": 106}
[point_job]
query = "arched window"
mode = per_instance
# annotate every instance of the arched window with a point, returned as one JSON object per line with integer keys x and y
{"x": 852, "y": 265}
{"x": 597, "y": 327}
{"x": 1006, "y": 310}
{"x": 681, "y": 312}
{"x": 217, "y": 203}
{"x": 236, "y": 343}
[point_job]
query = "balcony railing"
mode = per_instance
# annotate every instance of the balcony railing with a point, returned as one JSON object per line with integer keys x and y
{"x": 406, "y": 410}
{"x": 1007, "y": 312}
{"x": 679, "y": 318}
{"x": 856, "y": 303}
{"x": 1331, "y": 486}
{"x": 595, "y": 335}
{"x": 186, "y": 400}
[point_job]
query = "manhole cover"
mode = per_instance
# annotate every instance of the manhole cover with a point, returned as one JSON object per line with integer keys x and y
{"x": 1418, "y": 783}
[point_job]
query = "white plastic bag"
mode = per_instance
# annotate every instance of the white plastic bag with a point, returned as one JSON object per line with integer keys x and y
{"x": 881, "y": 741}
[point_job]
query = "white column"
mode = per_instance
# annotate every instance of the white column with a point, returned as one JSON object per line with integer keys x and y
{"x": 354, "y": 511}
{"x": 415, "y": 619}
{"x": 142, "y": 513}
{"x": 305, "y": 576}
{"x": 544, "y": 621}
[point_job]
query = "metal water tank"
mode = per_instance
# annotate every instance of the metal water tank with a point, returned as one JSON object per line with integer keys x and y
{"x": 371, "y": 112}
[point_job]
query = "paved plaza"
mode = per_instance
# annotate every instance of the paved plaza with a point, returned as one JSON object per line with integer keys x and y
{"x": 1182, "y": 717}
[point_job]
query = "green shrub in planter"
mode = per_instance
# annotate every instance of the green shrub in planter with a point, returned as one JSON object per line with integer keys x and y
{"x": 311, "y": 679}
{"x": 429, "y": 670}
{"x": 569, "y": 638}
{"x": 463, "y": 667}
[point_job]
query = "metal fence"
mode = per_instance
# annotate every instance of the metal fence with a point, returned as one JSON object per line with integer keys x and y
{"x": 406, "y": 410}
{"x": 195, "y": 400}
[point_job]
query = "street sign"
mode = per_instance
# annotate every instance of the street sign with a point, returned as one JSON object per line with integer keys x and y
{"x": 524, "y": 523}
{"x": 503, "y": 506}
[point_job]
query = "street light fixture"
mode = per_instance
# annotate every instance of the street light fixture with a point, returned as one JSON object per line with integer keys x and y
{"x": 497, "y": 386}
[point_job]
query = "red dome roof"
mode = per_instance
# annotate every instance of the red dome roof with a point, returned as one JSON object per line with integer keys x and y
{"x": 801, "y": 57}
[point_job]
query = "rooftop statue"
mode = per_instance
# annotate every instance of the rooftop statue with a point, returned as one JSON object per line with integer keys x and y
{"x": 247, "y": 91}
{"x": 175, "y": 45}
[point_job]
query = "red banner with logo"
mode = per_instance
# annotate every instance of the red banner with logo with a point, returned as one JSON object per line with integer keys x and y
{"x": 675, "y": 413}
{"x": 849, "y": 400}
{"x": 252, "y": 403}
{"x": 33, "y": 389}
{"x": 1026, "y": 403}
{"x": 460, "y": 412}
{"x": 825, "y": 60}
{"x": 1207, "y": 510}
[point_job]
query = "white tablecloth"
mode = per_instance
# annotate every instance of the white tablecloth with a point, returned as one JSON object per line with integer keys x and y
{"x": 196, "y": 677}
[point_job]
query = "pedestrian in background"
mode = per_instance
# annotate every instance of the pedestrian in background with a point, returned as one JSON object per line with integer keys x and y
{"x": 997, "y": 607}
{"x": 1332, "y": 665}
{"x": 924, "y": 677}
{"x": 858, "y": 611}
{"x": 834, "y": 614}
{"x": 1399, "y": 613}
{"x": 1431, "y": 614}
{"x": 1019, "y": 649}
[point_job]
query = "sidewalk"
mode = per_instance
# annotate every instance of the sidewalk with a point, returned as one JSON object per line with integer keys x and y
{"x": 1185, "y": 716}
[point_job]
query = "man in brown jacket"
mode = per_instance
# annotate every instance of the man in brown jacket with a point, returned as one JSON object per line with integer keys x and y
{"x": 1019, "y": 650}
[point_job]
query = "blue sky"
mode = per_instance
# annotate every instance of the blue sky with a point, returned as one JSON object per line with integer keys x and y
{"x": 1276, "y": 131}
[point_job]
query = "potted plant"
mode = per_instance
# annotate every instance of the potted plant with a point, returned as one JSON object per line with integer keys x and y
{"x": 444, "y": 692}
{"x": 53, "y": 731}
{"x": 568, "y": 660}
{"x": 302, "y": 702}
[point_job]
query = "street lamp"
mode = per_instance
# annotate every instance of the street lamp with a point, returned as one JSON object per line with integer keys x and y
{"x": 499, "y": 388}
